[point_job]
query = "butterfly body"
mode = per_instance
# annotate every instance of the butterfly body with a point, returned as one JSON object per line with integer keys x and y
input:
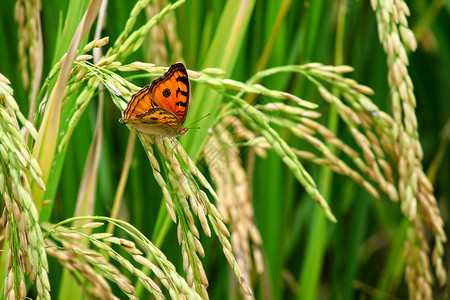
{"x": 161, "y": 107}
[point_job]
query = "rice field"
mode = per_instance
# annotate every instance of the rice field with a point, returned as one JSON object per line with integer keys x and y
{"x": 265, "y": 150}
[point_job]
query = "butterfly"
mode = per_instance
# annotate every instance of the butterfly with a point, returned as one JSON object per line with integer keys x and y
{"x": 161, "y": 107}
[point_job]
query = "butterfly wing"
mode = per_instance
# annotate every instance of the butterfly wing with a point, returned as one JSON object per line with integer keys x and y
{"x": 140, "y": 103}
{"x": 172, "y": 92}
{"x": 157, "y": 121}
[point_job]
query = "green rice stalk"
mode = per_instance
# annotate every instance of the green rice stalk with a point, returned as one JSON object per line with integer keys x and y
{"x": 26, "y": 253}
{"x": 415, "y": 190}
{"x": 163, "y": 268}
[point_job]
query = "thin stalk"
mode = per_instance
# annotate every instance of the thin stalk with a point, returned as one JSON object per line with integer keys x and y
{"x": 318, "y": 235}
{"x": 223, "y": 52}
{"x": 123, "y": 180}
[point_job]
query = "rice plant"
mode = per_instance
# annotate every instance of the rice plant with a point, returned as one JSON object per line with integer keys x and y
{"x": 313, "y": 166}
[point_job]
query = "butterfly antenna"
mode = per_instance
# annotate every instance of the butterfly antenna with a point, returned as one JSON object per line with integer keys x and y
{"x": 207, "y": 115}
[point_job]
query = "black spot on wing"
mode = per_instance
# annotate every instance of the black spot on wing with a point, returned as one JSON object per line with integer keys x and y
{"x": 183, "y": 79}
{"x": 166, "y": 93}
{"x": 182, "y": 92}
{"x": 181, "y": 103}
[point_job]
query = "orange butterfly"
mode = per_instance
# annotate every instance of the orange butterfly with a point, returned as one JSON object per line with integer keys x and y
{"x": 161, "y": 107}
